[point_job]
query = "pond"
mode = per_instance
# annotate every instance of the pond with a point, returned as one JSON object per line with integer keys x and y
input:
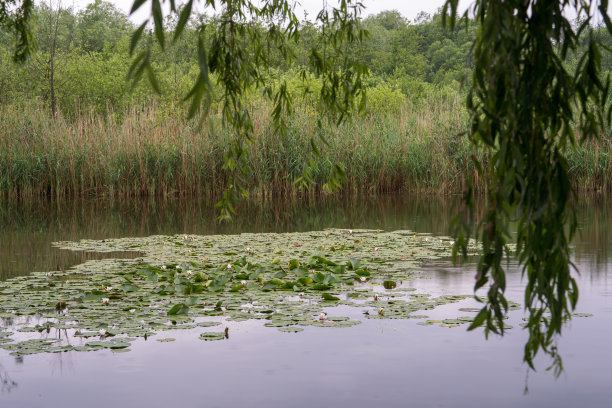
{"x": 379, "y": 362}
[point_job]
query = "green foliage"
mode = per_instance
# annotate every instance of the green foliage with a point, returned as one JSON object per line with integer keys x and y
{"x": 154, "y": 152}
{"x": 526, "y": 106}
{"x": 100, "y": 25}
{"x": 16, "y": 18}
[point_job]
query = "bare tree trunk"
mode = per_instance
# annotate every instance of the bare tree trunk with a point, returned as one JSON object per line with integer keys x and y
{"x": 52, "y": 47}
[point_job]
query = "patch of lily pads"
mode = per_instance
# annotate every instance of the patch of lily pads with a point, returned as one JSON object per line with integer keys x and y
{"x": 287, "y": 281}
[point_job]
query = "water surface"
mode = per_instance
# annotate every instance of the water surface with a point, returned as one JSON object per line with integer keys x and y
{"x": 378, "y": 363}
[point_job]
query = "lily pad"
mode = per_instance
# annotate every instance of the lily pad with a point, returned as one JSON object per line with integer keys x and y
{"x": 211, "y": 336}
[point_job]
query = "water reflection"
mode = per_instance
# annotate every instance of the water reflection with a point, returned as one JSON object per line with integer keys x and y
{"x": 7, "y": 384}
{"x": 28, "y": 227}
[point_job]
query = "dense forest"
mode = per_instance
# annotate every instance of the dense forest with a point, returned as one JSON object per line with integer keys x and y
{"x": 86, "y": 55}
{"x": 74, "y": 124}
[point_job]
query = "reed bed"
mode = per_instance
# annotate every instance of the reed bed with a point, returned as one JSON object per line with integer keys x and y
{"x": 155, "y": 153}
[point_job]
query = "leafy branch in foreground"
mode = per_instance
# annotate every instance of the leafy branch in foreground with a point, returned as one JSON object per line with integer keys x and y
{"x": 236, "y": 48}
{"x": 525, "y": 109}
{"x": 16, "y": 15}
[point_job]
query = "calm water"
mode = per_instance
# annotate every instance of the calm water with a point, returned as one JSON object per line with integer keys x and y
{"x": 389, "y": 363}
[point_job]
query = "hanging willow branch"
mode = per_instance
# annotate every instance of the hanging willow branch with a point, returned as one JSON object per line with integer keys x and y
{"x": 237, "y": 53}
{"x": 527, "y": 110}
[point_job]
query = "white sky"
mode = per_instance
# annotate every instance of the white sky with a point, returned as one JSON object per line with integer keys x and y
{"x": 408, "y": 8}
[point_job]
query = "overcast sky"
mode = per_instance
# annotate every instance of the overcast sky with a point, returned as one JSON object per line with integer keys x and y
{"x": 408, "y": 8}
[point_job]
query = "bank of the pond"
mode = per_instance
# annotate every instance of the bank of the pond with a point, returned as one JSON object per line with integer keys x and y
{"x": 155, "y": 154}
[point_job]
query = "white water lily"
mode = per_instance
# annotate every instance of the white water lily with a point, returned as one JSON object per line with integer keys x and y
{"x": 102, "y": 332}
{"x": 179, "y": 267}
{"x": 189, "y": 272}
{"x": 185, "y": 237}
{"x": 163, "y": 267}
{"x": 452, "y": 243}
{"x": 105, "y": 300}
{"x": 248, "y": 250}
{"x": 243, "y": 282}
{"x": 229, "y": 266}
{"x": 363, "y": 279}
{"x": 48, "y": 274}
{"x": 350, "y": 232}
{"x": 108, "y": 288}
{"x": 322, "y": 316}
{"x": 375, "y": 249}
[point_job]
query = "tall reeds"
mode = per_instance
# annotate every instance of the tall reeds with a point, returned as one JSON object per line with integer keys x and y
{"x": 151, "y": 152}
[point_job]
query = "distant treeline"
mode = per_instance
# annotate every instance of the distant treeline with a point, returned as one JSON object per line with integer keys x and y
{"x": 87, "y": 55}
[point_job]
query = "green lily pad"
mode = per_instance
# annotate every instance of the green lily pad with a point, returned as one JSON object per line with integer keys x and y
{"x": 210, "y": 336}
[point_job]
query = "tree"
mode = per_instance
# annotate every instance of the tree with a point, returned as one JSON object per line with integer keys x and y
{"x": 527, "y": 109}
{"x": 99, "y": 24}
{"x": 57, "y": 26}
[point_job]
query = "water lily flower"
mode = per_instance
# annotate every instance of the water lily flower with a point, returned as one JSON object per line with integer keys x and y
{"x": 243, "y": 282}
{"x": 351, "y": 232}
{"x": 105, "y": 300}
{"x": 248, "y": 250}
{"x": 229, "y": 266}
{"x": 375, "y": 249}
{"x": 452, "y": 243}
{"x": 185, "y": 237}
{"x": 363, "y": 279}
{"x": 189, "y": 272}
{"x": 163, "y": 267}
{"x": 108, "y": 288}
{"x": 48, "y": 274}
{"x": 179, "y": 267}
{"x": 132, "y": 310}
{"x": 322, "y": 316}
{"x": 102, "y": 332}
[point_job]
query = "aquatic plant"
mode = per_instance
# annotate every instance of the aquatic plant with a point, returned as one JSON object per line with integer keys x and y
{"x": 111, "y": 302}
